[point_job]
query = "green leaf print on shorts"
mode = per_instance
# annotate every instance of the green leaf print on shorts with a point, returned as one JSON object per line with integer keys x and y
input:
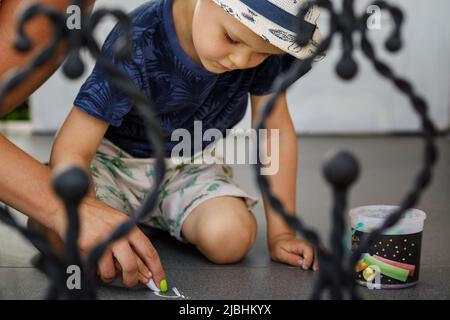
{"x": 95, "y": 171}
{"x": 222, "y": 178}
{"x": 163, "y": 194}
{"x": 227, "y": 170}
{"x": 118, "y": 194}
{"x": 114, "y": 165}
{"x": 213, "y": 187}
{"x": 120, "y": 164}
{"x": 108, "y": 164}
{"x": 164, "y": 190}
{"x": 194, "y": 169}
{"x": 151, "y": 172}
{"x": 189, "y": 184}
{"x": 103, "y": 197}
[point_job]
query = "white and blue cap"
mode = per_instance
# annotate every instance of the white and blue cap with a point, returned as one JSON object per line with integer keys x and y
{"x": 275, "y": 22}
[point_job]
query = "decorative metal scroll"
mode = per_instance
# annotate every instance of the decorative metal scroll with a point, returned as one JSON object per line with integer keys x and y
{"x": 336, "y": 275}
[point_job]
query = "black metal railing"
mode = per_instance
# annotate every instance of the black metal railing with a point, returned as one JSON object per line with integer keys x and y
{"x": 336, "y": 273}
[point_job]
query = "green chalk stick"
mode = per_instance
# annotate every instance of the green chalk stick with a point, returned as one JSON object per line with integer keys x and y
{"x": 388, "y": 270}
{"x": 163, "y": 285}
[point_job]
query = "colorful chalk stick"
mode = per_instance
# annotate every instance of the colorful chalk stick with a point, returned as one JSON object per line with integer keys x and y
{"x": 369, "y": 274}
{"x": 388, "y": 270}
{"x": 360, "y": 266}
{"x": 411, "y": 268}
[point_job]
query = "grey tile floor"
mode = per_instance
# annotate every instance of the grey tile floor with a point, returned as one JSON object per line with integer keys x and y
{"x": 388, "y": 166}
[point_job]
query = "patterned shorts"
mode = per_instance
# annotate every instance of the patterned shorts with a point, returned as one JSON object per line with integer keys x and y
{"x": 122, "y": 182}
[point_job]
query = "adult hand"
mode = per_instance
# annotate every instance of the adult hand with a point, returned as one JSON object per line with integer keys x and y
{"x": 133, "y": 255}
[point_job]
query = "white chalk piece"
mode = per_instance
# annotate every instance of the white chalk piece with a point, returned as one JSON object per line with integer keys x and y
{"x": 177, "y": 295}
{"x": 152, "y": 286}
{"x": 176, "y": 291}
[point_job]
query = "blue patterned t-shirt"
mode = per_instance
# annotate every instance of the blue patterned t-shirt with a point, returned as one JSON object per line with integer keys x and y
{"x": 182, "y": 91}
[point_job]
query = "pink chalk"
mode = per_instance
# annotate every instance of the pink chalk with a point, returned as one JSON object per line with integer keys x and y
{"x": 411, "y": 268}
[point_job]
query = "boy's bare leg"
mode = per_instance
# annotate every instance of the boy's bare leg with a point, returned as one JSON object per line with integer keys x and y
{"x": 222, "y": 228}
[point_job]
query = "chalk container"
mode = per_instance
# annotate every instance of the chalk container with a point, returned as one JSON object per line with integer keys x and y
{"x": 394, "y": 258}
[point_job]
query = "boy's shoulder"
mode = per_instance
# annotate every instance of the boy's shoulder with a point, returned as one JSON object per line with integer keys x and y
{"x": 148, "y": 13}
{"x": 146, "y": 17}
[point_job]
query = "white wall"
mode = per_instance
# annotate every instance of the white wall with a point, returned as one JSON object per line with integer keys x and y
{"x": 320, "y": 103}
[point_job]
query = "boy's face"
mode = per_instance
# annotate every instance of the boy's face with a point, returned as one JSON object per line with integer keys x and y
{"x": 223, "y": 44}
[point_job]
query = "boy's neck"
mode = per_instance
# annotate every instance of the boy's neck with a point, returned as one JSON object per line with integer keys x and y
{"x": 183, "y": 12}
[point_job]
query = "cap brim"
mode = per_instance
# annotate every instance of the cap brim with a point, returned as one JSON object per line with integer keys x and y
{"x": 273, "y": 33}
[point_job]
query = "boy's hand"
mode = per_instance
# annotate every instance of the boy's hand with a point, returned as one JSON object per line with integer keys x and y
{"x": 133, "y": 256}
{"x": 288, "y": 249}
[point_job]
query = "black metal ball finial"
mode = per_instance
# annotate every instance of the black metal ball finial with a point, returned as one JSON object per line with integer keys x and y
{"x": 22, "y": 43}
{"x": 347, "y": 68}
{"x": 71, "y": 184}
{"x": 74, "y": 67}
{"x": 341, "y": 170}
{"x": 394, "y": 43}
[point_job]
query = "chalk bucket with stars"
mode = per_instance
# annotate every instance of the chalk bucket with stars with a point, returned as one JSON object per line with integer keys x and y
{"x": 393, "y": 260}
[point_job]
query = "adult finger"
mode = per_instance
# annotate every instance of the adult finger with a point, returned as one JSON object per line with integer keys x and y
{"x": 144, "y": 248}
{"x": 144, "y": 274}
{"x": 127, "y": 261}
{"x": 106, "y": 267}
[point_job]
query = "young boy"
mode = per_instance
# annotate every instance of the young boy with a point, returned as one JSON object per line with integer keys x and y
{"x": 198, "y": 60}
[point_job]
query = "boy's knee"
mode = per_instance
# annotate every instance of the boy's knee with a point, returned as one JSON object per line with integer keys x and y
{"x": 228, "y": 239}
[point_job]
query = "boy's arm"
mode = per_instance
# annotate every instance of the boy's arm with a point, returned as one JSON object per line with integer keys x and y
{"x": 77, "y": 141}
{"x": 76, "y": 144}
{"x": 283, "y": 245}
